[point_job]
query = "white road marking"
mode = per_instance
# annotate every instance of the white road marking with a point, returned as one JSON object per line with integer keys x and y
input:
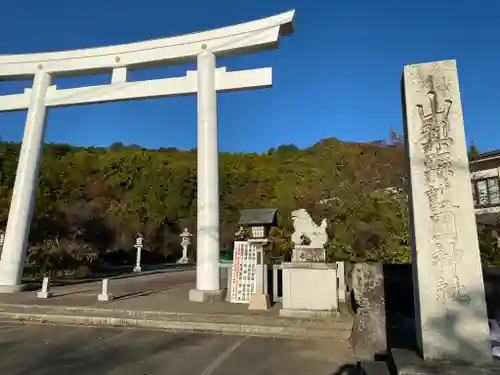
{"x": 222, "y": 357}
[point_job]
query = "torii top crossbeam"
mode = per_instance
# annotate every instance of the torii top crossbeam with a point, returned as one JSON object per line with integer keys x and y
{"x": 233, "y": 40}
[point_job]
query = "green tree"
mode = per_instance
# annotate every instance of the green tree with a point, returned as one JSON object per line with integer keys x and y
{"x": 93, "y": 200}
{"x": 473, "y": 151}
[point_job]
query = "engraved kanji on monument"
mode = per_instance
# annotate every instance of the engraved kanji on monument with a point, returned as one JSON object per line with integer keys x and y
{"x": 450, "y": 303}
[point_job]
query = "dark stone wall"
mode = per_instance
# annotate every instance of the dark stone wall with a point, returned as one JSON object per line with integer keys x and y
{"x": 398, "y": 284}
{"x": 491, "y": 276}
{"x": 399, "y": 289}
{"x": 399, "y": 307}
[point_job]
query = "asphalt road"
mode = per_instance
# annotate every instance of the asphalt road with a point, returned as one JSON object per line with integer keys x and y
{"x": 43, "y": 349}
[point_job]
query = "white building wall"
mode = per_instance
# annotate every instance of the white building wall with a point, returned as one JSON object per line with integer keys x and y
{"x": 482, "y": 174}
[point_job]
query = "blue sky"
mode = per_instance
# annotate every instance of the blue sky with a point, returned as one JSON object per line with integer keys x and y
{"x": 337, "y": 76}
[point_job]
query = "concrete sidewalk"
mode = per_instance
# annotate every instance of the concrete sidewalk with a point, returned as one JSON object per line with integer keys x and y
{"x": 160, "y": 301}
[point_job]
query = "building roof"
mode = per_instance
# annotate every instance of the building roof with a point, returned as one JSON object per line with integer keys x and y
{"x": 259, "y": 216}
{"x": 490, "y": 155}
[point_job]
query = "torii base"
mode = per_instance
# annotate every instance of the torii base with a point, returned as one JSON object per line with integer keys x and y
{"x": 9, "y": 289}
{"x": 196, "y": 295}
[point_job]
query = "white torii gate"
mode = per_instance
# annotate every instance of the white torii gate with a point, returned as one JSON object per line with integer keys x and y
{"x": 249, "y": 37}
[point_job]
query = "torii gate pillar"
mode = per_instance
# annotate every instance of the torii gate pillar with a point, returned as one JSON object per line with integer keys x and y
{"x": 23, "y": 196}
{"x": 207, "y": 221}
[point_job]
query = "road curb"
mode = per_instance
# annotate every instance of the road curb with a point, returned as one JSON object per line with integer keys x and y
{"x": 176, "y": 325}
{"x": 341, "y": 326}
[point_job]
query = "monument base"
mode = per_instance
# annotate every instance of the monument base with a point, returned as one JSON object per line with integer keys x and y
{"x": 309, "y": 287}
{"x": 44, "y": 295}
{"x": 373, "y": 368}
{"x": 9, "y": 289}
{"x": 408, "y": 362}
{"x": 105, "y": 297}
{"x": 259, "y": 302}
{"x": 306, "y": 314}
{"x": 196, "y": 295}
{"x": 183, "y": 261}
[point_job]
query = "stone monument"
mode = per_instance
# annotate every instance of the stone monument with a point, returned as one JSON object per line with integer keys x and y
{"x": 368, "y": 336}
{"x": 105, "y": 296}
{"x": 448, "y": 284}
{"x": 45, "y": 292}
{"x": 309, "y": 284}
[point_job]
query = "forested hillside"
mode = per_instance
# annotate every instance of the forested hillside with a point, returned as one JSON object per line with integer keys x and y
{"x": 92, "y": 200}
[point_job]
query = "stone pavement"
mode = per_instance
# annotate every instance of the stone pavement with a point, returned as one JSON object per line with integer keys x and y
{"x": 49, "y": 350}
{"x": 160, "y": 301}
{"x": 156, "y": 292}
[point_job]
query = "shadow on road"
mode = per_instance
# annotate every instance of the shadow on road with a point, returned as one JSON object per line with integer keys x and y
{"x": 116, "y": 273}
{"x": 145, "y": 293}
{"x": 83, "y": 355}
{"x": 347, "y": 369}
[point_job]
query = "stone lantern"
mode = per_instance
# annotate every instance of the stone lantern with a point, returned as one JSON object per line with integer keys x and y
{"x": 185, "y": 242}
{"x": 138, "y": 245}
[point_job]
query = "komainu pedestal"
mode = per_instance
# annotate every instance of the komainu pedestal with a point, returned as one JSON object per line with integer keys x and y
{"x": 448, "y": 283}
{"x": 309, "y": 290}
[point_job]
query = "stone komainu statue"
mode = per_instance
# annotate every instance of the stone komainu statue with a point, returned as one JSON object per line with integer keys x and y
{"x": 306, "y": 229}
